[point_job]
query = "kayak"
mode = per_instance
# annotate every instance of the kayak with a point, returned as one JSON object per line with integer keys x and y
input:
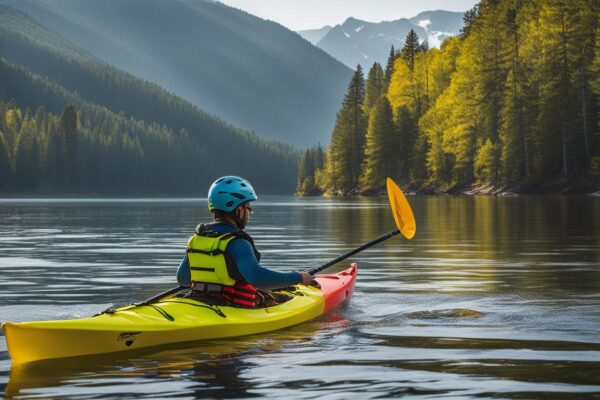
{"x": 172, "y": 319}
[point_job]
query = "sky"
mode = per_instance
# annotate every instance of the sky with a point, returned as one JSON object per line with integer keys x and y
{"x": 313, "y": 14}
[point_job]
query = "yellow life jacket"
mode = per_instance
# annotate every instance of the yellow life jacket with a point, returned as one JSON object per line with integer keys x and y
{"x": 206, "y": 255}
{"x": 210, "y": 264}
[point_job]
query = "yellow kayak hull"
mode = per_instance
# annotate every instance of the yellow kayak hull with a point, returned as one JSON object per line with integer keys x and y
{"x": 136, "y": 327}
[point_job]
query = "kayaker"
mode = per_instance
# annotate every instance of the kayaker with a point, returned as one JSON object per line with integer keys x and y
{"x": 221, "y": 261}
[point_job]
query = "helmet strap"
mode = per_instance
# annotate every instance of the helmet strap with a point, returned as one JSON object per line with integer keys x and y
{"x": 229, "y": 217}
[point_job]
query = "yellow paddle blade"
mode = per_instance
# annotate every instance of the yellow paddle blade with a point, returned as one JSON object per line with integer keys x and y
{"x": 403, "y": 215}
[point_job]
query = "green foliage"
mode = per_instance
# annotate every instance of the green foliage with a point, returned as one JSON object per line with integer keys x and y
{"x": 27, "y": 162}
{"x": 345, "y": 155}
{"x": 13, "y": 118}
{"x": 389, "y": 67}
{"x": 52, "y": 156}
{"x": 405, "y": 140}
{"x": 381, "y": 150}
{"x": 68, "y": 131}
{"x": 469, "y": 19}
{"x": 375, "y": 87}
{"x": 253, "y": 73}
{"x": 149, "y": 147}
{"x": 310, "y": 163}
{"x": 5, "y": 166}
{"x": 410, "y": 49}
{"x": 514, "y": 134}
{"x": 486, "y": 163}
{"x": 162, "y": 136}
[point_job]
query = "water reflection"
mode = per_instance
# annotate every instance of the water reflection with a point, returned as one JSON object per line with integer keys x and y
{"x": 493, "y": 297}
{"x": 212, "y": 369}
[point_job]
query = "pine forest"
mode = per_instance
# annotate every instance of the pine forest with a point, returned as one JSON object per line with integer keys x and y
{"x": 71, "y": 124}
{"x": 514, "y": 100}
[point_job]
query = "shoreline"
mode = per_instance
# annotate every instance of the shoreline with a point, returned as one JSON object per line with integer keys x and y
{"x": 560, "y": 188}
{"x": 526, "y": 189}
{"x": 413, "y": 189}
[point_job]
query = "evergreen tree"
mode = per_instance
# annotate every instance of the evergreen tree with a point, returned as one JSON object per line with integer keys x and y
{"x": 319, "y": 157}
{"x": 595, "y": 87}
{"x": 491, "y": 49}
{"x": 381, "y": 148}
{"x": 5, "y": 168}
{"x": 305, "y": 174}
{"x": 345, "y": 155}
{"x": 309, "y": 166}
{"x": 406, "y": 152}
{"x": 485, "y": 164}
{"x": 68, "y": 129}
{"x": 515, "y": 152}
{"x": 410, "y": 49}
{"x": 303, "y": 167}
{"x": 551, "y": 135}
{"x": 515, "y": 158}
{"x": 40, "y": 118}
{"x": 53, "y": 156}
{"x": 585, "y": 15}
{"x": 13, "y": 118}
{"x": 469, "y": 19}
{"x": 375, "y": 87}
{"x": 27, "y": 165}
{"x": 389, "y": 68}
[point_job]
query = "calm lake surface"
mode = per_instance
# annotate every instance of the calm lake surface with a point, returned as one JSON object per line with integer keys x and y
{"x": 494, "y": 297}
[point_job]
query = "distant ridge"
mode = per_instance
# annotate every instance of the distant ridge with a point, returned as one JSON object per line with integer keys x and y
{"x": 360, "y": 42}
{"x": 314, "y": 35}
{"x": 253, "y": 73}
{"x": 40, "y": 68}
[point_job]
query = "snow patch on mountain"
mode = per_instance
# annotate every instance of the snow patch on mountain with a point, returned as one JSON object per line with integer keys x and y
{"x": 372, "y": 41}
{"x": 424, "y": 23}
{"x": 434, "y": 38}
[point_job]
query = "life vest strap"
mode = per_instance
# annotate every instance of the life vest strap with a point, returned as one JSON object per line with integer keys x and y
{"x": 205, "y": 269}
{"x": 214, "y": 252}
{"x": 244, "y": 295}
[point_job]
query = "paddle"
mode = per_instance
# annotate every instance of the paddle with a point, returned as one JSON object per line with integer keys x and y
{"x": 405, "y": 222}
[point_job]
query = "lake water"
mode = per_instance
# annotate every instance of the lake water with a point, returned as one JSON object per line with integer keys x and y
{"x": 494, "y": 297}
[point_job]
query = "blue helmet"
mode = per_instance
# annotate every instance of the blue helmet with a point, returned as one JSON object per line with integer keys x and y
{"x": 228, "y": 192}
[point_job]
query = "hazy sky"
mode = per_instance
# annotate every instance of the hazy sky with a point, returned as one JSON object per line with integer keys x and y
{"x": 311, "y": 14}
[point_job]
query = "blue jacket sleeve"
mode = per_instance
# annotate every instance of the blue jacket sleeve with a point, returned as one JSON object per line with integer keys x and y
{"x": 242, "y": 254}
{"x": 183, "y": 272}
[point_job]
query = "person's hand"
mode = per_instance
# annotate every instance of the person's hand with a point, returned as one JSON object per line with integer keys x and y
{"x": 306, "y": 277}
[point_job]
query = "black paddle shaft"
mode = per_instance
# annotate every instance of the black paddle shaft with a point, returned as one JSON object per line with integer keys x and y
{"x": 159, "y": 296}
{"x": 380, "y": 239}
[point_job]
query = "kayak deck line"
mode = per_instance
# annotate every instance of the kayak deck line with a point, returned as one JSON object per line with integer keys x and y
{"x": 137, "y": 327}
{"x": 213, "y": 308}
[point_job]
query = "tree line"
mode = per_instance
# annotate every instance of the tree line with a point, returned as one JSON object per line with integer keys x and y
{"x": 131, "y": 138}
{"x": 89, "y": 150}
{"x": 514, "y": 99}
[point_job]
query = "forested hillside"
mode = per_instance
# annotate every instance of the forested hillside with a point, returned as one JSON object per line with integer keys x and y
{"x": 513, "y": 101}
{"x": 130, "y": 136}
{"x": 252, "y": 73}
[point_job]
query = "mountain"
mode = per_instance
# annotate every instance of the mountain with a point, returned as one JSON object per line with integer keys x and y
{"x": 157, "y": 141}
{"x": 361, "y": 42}
{"x": 314, "y": 35}
{"x": 255, "y": 74}
{"x": 439, "y": 25}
